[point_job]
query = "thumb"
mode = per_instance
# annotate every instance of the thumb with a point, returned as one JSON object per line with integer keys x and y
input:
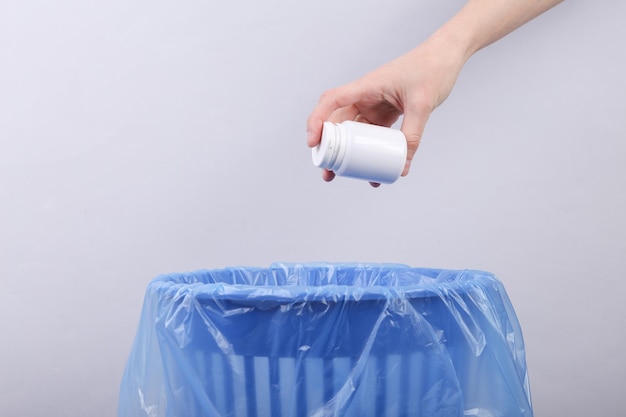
{"x": 413, "y": 123}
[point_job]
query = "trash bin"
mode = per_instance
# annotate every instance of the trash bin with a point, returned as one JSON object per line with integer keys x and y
{"x": 322, "y": 340}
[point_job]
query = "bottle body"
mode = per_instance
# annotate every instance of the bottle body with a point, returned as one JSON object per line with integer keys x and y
{"x": 363, "y": 151}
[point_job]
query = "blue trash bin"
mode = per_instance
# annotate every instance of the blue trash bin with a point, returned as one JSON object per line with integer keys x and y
{"x": 322, "y": 340}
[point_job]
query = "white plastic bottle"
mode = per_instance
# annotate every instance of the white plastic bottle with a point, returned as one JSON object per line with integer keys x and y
{"x": 363, "y": 151}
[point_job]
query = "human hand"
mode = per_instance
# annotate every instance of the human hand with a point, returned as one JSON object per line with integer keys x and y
{"x": 412, "y": 85}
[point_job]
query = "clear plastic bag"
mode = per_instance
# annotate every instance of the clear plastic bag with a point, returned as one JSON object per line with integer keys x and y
{"x": 322, "y": 340}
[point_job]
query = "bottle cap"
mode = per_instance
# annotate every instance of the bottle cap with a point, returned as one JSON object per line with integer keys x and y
{"x": 325, "y": 153}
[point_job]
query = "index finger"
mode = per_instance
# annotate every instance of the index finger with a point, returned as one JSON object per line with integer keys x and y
{"x": 330, "y": 101}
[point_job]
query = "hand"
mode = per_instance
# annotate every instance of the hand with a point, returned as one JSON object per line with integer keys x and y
{"x": 412, "y": 85}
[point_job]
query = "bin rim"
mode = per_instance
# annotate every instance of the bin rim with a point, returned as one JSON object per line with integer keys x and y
{"x": 430, "y": 282}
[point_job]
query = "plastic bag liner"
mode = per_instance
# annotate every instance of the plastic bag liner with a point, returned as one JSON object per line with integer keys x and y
{"x": 322, "y": 340}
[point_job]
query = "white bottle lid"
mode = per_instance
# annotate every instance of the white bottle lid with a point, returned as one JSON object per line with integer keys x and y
{"x": 329, "y": 151}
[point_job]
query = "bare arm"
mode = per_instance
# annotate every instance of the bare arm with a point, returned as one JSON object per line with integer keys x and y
{"x": 482, "y": 22}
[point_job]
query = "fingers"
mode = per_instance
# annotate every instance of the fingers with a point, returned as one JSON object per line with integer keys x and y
{"x": 330, "y": 175}
{"x": 327, "y": 175}
{"x": 360, "y": 118}
{"x": 336, "y": 106}
{"x": 329, "y": 102}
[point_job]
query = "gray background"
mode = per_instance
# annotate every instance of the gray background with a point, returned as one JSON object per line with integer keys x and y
{"x": 138, "y": 138}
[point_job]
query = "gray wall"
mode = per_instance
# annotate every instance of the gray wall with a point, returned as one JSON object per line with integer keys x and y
{"x": 140, "y": 137}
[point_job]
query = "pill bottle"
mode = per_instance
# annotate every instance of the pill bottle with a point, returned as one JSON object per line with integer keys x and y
{"x": 361, "y": 150}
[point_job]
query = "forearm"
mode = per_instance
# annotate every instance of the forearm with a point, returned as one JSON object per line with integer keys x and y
{"x": 482, "y": 22}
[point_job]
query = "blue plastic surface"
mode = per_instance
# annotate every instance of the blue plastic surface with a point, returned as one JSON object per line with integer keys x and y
{"x": 322, "y": 340}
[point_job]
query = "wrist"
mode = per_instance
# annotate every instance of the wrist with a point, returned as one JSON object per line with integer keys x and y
{"x": 453, "y": 45}
{"x": 482, "y": 22}
{"x": 458, "y": 37}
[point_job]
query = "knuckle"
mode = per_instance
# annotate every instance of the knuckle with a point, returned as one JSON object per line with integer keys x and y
{"x": 329, "y": 94}
{"x": 412, "y": 145}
